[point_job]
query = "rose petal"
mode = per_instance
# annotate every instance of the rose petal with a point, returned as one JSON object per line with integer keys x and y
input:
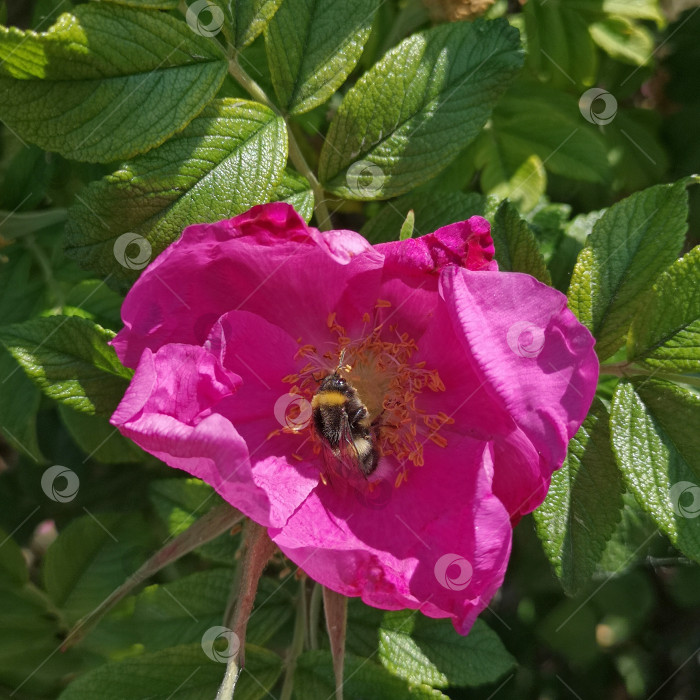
{"x": 465, "y": 244}
{"x": 388, "y": 553}
{"x": 536, "y": 358}
{"x": 246, "y": 263}
{"x": 178, "y": 408}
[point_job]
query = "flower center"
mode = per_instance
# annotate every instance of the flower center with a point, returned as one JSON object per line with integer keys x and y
{"x": 379, "y": 366}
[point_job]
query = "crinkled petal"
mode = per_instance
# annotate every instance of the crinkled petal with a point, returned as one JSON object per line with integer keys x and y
{"x": 177, "y": 408}
{"x": 408, "y": 549}
{"x": 274, "y": 423}
{"x": 466, "y": 244}
{"x": 536, "y": 358}
{"x": 249, "y": 262}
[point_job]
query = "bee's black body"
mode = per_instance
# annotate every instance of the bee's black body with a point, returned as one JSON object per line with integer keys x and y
{"x": 342, "y": 421}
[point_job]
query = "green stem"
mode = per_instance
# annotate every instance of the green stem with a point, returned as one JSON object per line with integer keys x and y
{"x": 323, "y": 216}
{"x": 624, "y": 369}
{"x": 297, "y": 643}
{"x": 315, "y": 614}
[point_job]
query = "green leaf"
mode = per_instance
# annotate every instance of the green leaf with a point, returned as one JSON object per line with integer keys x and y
{"x": 74, "y": 89}
{"x": 30, "y": 630}
{"x": 181, "y": 612}
{"x": 313, "y": 679}
{"x": 179, "y": 502}
{"x": 634, "y": 9}
{"x": 69, "y": 359}
{"x": 637, "y": 157}
{"x": 13, "y": 567}
{"x": 415, "y": 109}
{"x": 623, "y": 40}
{"x": 407, "y": 226}
{"x": 295, "y": 190}
{"x": 97, "y": 438}
{"x": 273, "y": 610}
{"x": 423, "y": 650}
{"x": 17, "y": 225}
{"x": 147, "y": 4}
{"x": 25, "y": 182}
{"x": 667, "y": 334}
{"x": 526, "y": 186}
{"x": 312, "y": 46}
{"x": 90, "y": 558}
{"x": 363, "y": 625}
{"x": 516, "y": 247}
{"x": 95, "y": 298}
{"x": 631, "y": 244}
{"x": 635, "y": 538}
{"x": 522, "y": 127}
{"x": 243, "y": 20}
{"x": 583, "y": 505}
{"x": 431, "y": 210}
{"x": 179, "y": 673}
{"x": 560, "y": 49}
{"x": 21, "y": 285}
{"x": 19, "y": 403}
{"x": 227, "y": 159}
{"x": 660, "y": 457}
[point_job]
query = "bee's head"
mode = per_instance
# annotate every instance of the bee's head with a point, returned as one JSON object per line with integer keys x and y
{"x": 333, "y": 382}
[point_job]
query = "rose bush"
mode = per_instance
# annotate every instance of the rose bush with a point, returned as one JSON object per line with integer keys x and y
{"x": 478, "y": 379}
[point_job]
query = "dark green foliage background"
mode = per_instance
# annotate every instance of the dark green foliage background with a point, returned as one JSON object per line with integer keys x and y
{"x": 602, "y": 596}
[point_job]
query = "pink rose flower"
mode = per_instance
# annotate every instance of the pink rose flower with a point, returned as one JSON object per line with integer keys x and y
{"x": 475, "y": 380}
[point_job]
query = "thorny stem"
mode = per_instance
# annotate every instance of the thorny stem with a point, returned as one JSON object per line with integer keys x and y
{"x": 624, "y": 369}
{"x": 297, "y": 643}
{"x": 323, "y": 217}
{"x": 258, "y": 550}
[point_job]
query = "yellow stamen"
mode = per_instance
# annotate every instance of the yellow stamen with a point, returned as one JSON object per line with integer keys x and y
{"x": 379, "y": 365}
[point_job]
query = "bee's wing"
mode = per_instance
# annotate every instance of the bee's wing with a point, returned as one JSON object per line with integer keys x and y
{"x": 344, "y": 459}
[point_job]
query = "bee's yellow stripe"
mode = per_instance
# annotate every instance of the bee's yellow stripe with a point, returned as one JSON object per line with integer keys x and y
{"x": 328, "y": 398}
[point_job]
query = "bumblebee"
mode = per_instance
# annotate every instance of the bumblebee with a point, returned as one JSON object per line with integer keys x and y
{"x": 342, "y": 422}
